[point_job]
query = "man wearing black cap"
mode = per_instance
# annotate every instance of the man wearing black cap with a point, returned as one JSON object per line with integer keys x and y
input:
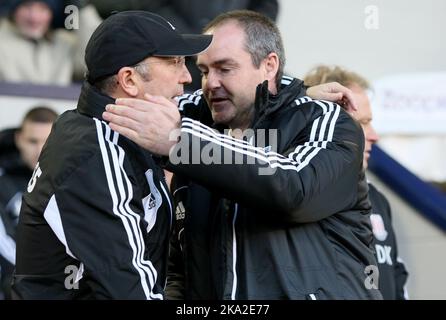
{"x": 96, "y": 216}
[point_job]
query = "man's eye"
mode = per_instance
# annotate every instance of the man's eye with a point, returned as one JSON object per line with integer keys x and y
{"x": 180, "y": 61}
{"x": 225, "y": 70}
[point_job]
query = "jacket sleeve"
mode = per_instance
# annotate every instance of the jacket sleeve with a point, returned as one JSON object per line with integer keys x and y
{"x": 315, "y": 177}
{"x": 97, "y": 212}
{"x": 175, "y": 287}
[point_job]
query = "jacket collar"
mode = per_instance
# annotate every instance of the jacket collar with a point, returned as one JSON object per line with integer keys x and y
{"x": 267, "y": 103}
{"x": 92, "y": 102}
{"x": 290, "y": 89}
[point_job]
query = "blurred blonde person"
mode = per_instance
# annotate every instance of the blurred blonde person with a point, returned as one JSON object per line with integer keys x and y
{"x": 392, "y": 272}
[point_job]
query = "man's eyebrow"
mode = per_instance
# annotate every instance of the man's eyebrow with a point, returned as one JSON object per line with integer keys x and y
{"x": 220, "y": 62}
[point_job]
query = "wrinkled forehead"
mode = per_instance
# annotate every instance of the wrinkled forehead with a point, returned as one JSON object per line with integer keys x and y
{"x": 35, "y": 128}
{"x": 228, "y": 43}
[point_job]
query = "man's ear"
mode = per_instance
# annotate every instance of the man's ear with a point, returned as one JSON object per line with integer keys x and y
{"x": 271, "y": 65}
{"x": 127, "y": 81}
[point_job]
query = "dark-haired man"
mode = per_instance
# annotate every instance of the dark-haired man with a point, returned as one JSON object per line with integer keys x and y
{"x": 22, "y": 148}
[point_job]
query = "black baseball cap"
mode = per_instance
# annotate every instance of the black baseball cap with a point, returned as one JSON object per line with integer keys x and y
{"x": 128, "y": 37}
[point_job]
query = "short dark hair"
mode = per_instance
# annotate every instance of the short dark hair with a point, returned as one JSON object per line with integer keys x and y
{"x": 262, "y": 36}
{"x": 107, "y": 85}
{"x": 40, "y": 114}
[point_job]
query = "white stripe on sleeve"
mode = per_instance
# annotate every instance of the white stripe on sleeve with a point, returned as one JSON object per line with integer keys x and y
{"x": 120, "y": 200}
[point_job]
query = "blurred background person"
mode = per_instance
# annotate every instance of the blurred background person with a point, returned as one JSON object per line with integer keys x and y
{"x": 19, "y": 151}
{"x": 33, "y": 51}
{"x": 392, "y": 272}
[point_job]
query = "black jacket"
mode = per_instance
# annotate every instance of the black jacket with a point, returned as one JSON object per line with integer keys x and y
{"x": 97, "y": 209}
{"x": 14, "y": 177}
{"x": 392, "y": 271}
{"x": 12, "y": 186}
{"x": 288, "y": 225}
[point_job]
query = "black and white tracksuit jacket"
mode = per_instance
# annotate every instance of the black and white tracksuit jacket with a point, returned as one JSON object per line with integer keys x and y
{"x": 95, "y": 219}
{"x": 298, "y": 231}
{"x": 392, "y": 271}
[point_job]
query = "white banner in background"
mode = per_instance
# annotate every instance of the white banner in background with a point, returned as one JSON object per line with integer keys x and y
{"x": 413, "y": 103}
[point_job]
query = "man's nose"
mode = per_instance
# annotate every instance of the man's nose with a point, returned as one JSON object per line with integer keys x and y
{"x": 185, "y": 76}
{"x": 212, "y": 81}
{"x": 373, "y": 135}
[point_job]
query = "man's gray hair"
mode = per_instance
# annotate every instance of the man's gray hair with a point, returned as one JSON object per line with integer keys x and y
{"x": 262, "y": 36}
{"x": 109, "y": 84}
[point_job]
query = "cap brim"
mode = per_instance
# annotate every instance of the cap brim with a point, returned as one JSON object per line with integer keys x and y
{"x": 191, "y": 45}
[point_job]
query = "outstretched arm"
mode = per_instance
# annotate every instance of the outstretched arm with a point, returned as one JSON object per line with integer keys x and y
{"x": 309, "y": 181}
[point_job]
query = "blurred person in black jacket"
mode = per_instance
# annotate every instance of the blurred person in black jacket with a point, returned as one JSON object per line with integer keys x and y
{"x": 19, "y": 149}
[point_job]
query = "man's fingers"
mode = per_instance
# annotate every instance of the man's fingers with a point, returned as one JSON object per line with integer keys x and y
{"x": 135, "y": 104}
{"x": 336, "y": 96}
{"x": 134, "y": 108}
{"x": 120, "y": 117}
{"x": 161, "y": 100}
{"x": 156, "y": 99}
{"x": 345, "y": 96}
{"x": 121, "y": 110}
{"x": 350, "y": 101}
{"x": 126, "y": 132}
{"x": 167, "y": 107}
